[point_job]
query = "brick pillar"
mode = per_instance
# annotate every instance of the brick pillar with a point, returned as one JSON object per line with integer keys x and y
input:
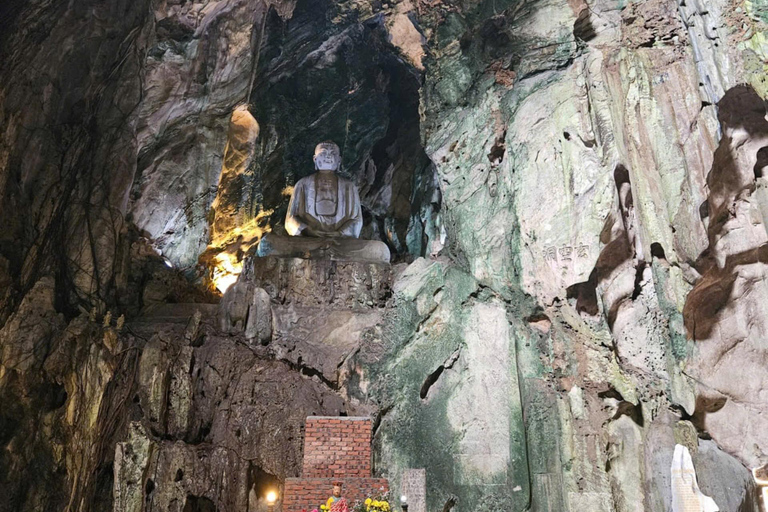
{"x": 337, "y": 447}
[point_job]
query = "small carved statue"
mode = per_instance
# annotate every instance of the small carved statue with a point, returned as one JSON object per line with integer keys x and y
{"x": 324, "y": 204}
{"x": 337, "y": 503}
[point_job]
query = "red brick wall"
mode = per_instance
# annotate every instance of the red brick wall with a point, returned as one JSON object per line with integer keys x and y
{"x": 309, "y": 493}
{"x": 337, "y": 447}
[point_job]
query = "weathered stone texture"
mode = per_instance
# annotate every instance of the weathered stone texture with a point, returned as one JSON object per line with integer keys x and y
{"x": 585, "y": 182}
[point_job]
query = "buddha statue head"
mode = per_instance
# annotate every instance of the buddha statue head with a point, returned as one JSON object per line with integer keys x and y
{"x": 327, "y": 156}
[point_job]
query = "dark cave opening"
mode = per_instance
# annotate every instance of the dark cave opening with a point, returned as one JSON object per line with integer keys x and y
{"x": 585, "y": 294}
{"x": 198, "y": 504}
{"x": 430, "y": 381}
{"x": 762, "y": 162}
{"x": 657, "y": 251}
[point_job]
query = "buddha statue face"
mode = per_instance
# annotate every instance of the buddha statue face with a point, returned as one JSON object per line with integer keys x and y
{"x": 327, "y": 156}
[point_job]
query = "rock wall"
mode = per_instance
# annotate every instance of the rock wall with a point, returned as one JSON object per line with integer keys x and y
{"x": 583, "y": 180}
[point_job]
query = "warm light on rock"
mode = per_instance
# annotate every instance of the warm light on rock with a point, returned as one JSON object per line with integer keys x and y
{"x": 232, "y": 246}
{"x": 226, "y": 271}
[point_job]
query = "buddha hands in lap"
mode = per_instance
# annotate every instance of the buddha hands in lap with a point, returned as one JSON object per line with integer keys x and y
{"x": 325, "y": 205}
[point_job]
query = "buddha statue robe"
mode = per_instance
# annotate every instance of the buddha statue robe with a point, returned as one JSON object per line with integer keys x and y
{"x": 337, "y": 504}
{"x": 327, "y": 203}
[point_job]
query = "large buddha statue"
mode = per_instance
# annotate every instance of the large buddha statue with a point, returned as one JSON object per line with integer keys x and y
{"x": 325, "y": 204}
{"x": 324, "y": 217}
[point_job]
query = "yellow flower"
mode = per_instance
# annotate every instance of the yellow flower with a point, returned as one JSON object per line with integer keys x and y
{"x": 376, "y": 504}
{"x": 368, "y": 502}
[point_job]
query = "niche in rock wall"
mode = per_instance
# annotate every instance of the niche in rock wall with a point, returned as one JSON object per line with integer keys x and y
{"x": 198, "y": 504}
{"x": 261, "y": 484}
{"x": 322, "y": 76}
{"x": 234, "y": 229}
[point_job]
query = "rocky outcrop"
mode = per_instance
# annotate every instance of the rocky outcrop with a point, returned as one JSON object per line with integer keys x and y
{"x": 211, "y": 422}
{"x": 724, "y": 311}
{"x": 573, "y": 192}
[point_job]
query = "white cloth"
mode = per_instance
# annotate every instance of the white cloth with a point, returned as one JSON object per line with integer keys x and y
{"x": 686, "y": 496}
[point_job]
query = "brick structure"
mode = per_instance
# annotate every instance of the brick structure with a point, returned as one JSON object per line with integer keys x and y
{"x": 335, "y": 448}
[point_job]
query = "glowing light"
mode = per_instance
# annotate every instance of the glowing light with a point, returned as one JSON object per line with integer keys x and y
{"x": 761, "y": 479}
{"x": 233, "y": 231}
{"x": 168, "y": 263}
{"x": 251, "y": 232}
{"x": 271, "y": 497}
{"x": 226, "y": 271}
{"x": 760, "y": 475}
{"x": 224, "y": 282}
{"x": 765, "y": 499}
{"x": 227, "y": 245}
{"x": 403, "y": 499}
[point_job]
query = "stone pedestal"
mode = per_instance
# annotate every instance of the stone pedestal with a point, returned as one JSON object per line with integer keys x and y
{"x": 316, "y": 312}
{"x": 326, "y": 283}
{"x": 334, "y": 249}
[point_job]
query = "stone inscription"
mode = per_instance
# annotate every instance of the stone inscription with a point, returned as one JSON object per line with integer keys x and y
{"x": 414, "y": 486}
{"x": 565, "y": 253}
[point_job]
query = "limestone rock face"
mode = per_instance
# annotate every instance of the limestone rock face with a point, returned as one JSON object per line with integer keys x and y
{"x": 574, "y": 195}
{"x": 28, "y": 335}
{"x": 214, "y": 423}
{"x": 197, "y": 73}
{"x": 724, "y": 312}
{"x": 246, "y": 308}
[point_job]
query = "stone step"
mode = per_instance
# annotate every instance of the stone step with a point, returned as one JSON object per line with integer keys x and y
{"x": 175, "y": 313}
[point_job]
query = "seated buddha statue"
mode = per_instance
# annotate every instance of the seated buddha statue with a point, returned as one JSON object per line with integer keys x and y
{"x": 324, "y": 204}
{"x": 324, "y": 217}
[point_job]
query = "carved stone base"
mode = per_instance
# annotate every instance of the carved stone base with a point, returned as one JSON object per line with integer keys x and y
{"x": 320, "y": 283}
{"x": 334, "y": 249}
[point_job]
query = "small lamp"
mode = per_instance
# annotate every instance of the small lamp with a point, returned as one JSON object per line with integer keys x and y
{"x": 271, "y": 499}
{"x": 404, "y": 502}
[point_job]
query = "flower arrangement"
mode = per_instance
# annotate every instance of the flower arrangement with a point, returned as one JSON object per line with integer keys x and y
{"x": 376, "y": 503}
